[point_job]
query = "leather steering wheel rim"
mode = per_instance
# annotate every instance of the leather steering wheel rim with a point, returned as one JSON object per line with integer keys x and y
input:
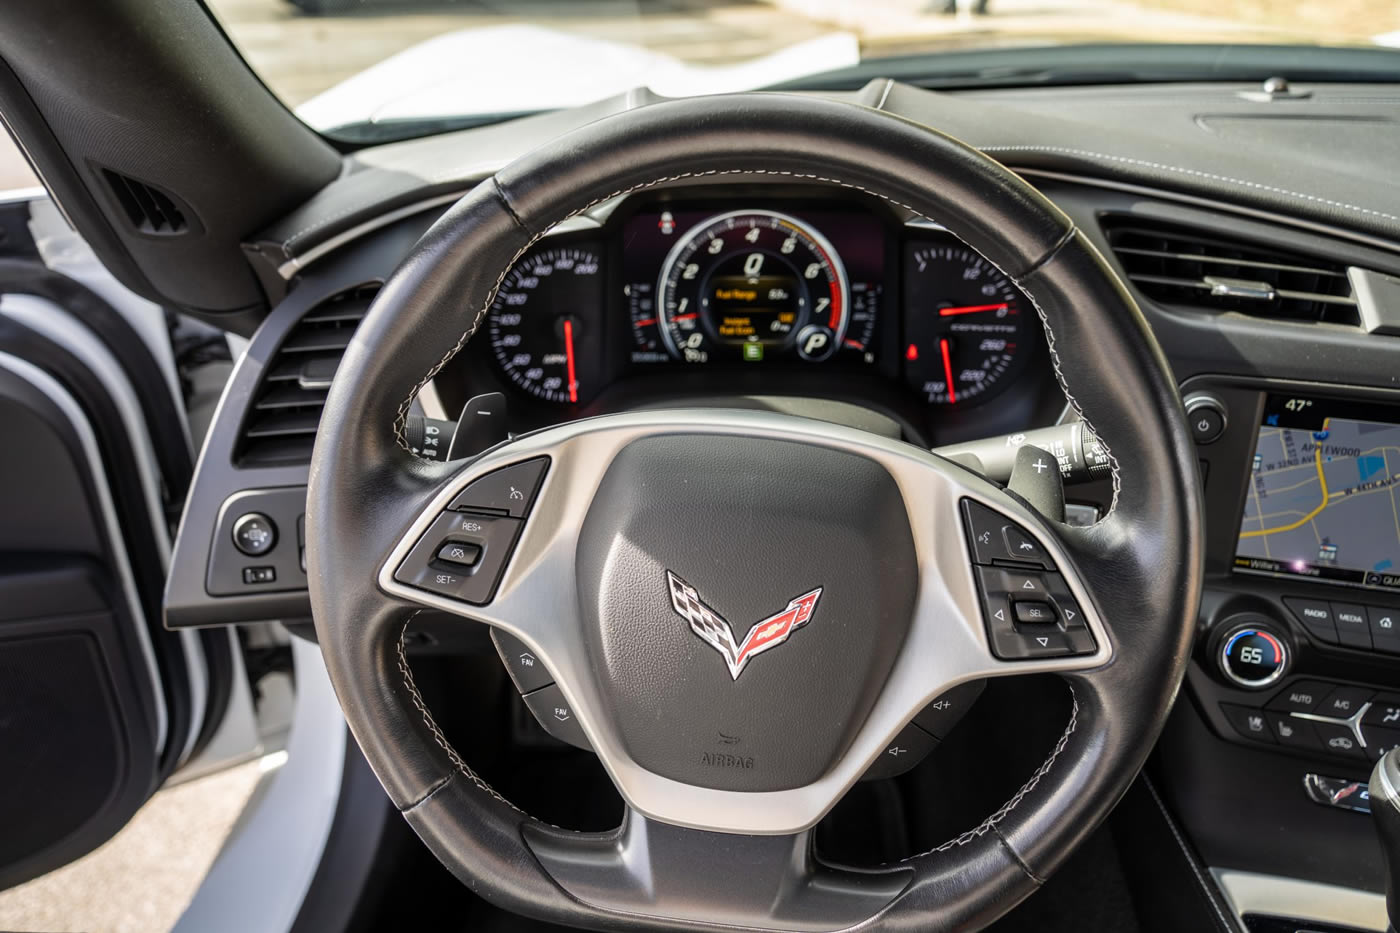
{"x": 1142, "y": 563}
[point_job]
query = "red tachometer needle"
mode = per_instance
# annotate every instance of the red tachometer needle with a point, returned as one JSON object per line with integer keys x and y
{"x": 569, "y": 358}
{"x": 969, "y": 309}
{"x": 947, "y": 370}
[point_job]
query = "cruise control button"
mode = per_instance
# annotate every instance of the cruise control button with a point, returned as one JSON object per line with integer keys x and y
{"x": 459, "y": 552}
{"x": 1316, "y": 617}
{"x": 940, "y": 716}
{"x": 476, "y": 584}
{"x": 909, "y": 747}
{"x": 1302, "y": 697}
{"x": 1250, "y": 723}
{"x": 1385, "y": 629}
{"x": 1294, "y": 732}
{"x": 1339, "y": 739}
{"x": 1384, "y": 712}
{"x": 1343, "y": 702}
{"x": 1021, "y": 546}
{"x": 1380, "y": 741}
{"x": 509, "y": 490}
{"x": 557, "y": 716}
{"x": 1353, "y": 630}
{"x": 525, "y": 669}
{"x": 1035, "y": 613}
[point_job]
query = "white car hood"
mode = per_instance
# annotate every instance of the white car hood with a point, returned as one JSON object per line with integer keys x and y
{"x": 520, "y": 68}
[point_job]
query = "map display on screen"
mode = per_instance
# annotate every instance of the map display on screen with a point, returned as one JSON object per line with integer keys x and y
{"x": 1324, "y": 494}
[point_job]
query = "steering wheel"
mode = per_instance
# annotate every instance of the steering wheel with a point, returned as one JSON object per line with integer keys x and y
{"x": 631, "y": 554}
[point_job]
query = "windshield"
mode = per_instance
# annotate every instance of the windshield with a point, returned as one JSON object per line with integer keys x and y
{"x": 369, "y": 70}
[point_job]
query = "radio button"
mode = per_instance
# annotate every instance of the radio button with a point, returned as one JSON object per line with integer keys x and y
{"x": 1316, "y": 617}
{"x": 1352, "y": 628}
{"x": 1385, "y": 629}
{"x": 1301, "y": 697}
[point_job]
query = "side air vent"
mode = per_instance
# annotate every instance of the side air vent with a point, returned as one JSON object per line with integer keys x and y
{"x": 1182, "y": 266}
{"x": 150, "y": 210}
{"x": 280, "y": 427}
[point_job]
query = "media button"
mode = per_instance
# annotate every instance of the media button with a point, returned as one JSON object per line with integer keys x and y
{"x": 1352, "y": 628}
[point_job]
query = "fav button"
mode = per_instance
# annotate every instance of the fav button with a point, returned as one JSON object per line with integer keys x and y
{"x": 557, "y": 716}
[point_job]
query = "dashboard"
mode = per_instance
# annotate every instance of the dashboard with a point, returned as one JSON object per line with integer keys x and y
{"x": 1279, "y": 314}
{"x": 695, "y": 292}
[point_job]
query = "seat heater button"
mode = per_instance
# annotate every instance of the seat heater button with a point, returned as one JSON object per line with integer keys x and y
{"x": 909, "y": 747}
{"x": 1035, "y": 613}
{"x": 557, "y": 716}
{"x": 1250, "y": 723}
{"x": 460, "y": 553}
{"x": 525, "y": 669}
{"x": 510, "y": 490}
{"x": 1294, "y": 732}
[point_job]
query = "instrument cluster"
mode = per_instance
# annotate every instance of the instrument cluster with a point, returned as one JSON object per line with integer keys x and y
{"x": 759, "y": 283}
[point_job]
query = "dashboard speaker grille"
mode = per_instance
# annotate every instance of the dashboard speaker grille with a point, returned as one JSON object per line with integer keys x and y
{"x": 286, "y": 410}
{"x": 1206, "y": 270}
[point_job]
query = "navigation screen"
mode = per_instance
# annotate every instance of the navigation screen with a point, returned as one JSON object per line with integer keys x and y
{"x": 1324, "y": 497}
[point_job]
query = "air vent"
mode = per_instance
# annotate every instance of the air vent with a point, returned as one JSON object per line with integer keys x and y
{"x": 280, "y": 428}
{"x": 1182, "y": 266}
{"x": 150, "y": 210}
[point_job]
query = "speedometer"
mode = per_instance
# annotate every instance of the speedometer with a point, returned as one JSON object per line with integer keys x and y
{"x": 747, "y": 284}
{"x": 965, "y": 325}
{"x": 545, "y": 324}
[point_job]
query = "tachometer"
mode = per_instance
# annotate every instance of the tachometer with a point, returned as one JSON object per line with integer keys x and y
{"x": 747, "y": 284}
{"x": 965, "y": 325}
{"x": 544, "y": 324}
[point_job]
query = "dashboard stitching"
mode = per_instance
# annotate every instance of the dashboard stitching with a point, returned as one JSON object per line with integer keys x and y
{"x": 432, "y": 725}
{"x": 1206, "y": 887}
{"x": 401, "y": 419}
{"x": 1066, "y": 150}
{"x": 990, "y": 822}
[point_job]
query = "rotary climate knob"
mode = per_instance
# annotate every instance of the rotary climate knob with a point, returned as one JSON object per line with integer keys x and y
{"x": 1252, "y": 656}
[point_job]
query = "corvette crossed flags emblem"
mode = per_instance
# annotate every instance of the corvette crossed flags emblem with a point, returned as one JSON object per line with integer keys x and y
{"x": 715, "y": 631}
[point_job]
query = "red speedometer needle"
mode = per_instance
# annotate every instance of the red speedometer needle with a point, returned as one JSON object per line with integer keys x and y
{"x": 569, "y": 358}
{"x": 969, "y": 309}
{"x": 947, "y": 370}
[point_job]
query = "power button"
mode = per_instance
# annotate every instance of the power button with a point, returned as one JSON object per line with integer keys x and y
{"x": 1206, "y": 416}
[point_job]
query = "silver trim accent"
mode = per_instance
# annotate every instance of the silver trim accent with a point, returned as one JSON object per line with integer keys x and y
{"x": 1276, "y": 896}
{"x": 294, "y": 265}
{"x": 1352, "y": 722}
{"x": 1225, "y": 659}
{"x": 431, "y": 402}
{"x": 537, "y": 600}
{"x": 69, "y": 406}
{"x": 260, "y": 878}
{"x": 1090, "y": 181}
